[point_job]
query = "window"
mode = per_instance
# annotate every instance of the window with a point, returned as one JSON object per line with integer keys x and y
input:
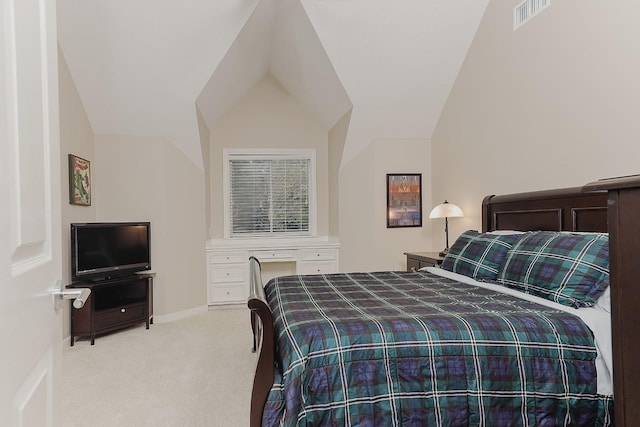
{"x": 269, "y": 193}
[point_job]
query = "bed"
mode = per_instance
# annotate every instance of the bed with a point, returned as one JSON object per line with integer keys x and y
{"x": 451, "y": 347}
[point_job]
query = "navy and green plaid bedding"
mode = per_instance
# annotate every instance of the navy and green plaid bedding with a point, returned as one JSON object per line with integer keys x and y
{"x": 416, "y": 349}
{"x": 479, "y": 256}
{"x": 567, "y": 268}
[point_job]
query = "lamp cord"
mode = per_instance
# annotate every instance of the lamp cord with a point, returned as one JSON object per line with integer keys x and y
{"x": 446, "y": 232}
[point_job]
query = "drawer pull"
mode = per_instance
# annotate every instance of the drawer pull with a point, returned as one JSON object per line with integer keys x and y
{"x": 122, "y": 310}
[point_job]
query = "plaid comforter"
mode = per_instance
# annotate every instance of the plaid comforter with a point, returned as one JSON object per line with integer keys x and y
{"x": 415, "y": 349}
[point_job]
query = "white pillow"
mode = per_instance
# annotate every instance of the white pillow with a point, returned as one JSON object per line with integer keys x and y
{"x": 604, "y": 302}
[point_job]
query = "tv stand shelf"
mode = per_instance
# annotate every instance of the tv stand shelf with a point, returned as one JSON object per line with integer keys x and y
{"x": 112, "y": 305}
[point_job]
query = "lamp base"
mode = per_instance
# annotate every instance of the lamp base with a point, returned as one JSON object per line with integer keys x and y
{"x": 443, "y": 253}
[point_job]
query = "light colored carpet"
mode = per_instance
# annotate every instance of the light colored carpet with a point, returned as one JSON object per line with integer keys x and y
{"x": 192, "y": 372}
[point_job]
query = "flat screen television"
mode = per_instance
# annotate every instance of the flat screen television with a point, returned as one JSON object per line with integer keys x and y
{"x": 104, "y": 250}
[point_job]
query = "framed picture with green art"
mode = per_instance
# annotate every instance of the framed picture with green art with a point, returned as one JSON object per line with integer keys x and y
{"x": 404, "y": 200}
{"x": 79, "y": 181}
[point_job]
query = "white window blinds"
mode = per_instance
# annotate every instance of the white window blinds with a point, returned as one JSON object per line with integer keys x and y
{"x": 269, "y": 195}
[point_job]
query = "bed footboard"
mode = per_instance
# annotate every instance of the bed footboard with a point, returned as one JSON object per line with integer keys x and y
{"x": 263, "y": 342}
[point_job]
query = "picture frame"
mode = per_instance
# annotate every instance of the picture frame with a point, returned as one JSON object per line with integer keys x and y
{"x": 79, "y": 181}
{"x": 404, "y": 200}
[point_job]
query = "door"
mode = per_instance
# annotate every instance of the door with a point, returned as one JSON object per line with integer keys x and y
{"x": 30, "y": 326}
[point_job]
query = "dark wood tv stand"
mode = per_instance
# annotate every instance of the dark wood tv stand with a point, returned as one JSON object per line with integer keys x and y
{"x": 112, "y": 305}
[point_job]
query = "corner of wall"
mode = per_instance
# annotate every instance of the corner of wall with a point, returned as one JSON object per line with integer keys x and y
{"x": 76, "y": 137}
{"x": 337, "y": 139}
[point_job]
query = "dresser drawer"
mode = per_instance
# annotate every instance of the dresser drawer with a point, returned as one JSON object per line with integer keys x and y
{"x": 413, "y": 264}
{"x": 275, "y": 255}
{"x": 223, "y": 273}
{"x": 227, "y": 257}
{"x": 106, "y": 319}
{"x": 319, "y": 267}
{"x": 226, "y": 294}
{"x": 317, "y": 254}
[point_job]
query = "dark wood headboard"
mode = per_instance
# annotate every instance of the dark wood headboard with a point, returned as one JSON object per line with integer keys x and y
{"x": 609, "y": 205}
{"x": 568, "y": 209}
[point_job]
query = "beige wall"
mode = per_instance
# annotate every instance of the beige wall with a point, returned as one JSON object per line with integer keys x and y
{"x": 148, "y": 179}
{"x": 357, "y": 214}
{"x": 553, "y": 104}
{"x": 205, "y": 138}
{"x": 76, "y": 137}
{"x": 366, "y": 242}
{"x": 337, "y": 138}
{"x": 138, "y": 178}
{"x": 351, "y": 198}
{"x": 268, "y": 117}
{"x": 185, "y": 233}
{"x": 406, "y": 155}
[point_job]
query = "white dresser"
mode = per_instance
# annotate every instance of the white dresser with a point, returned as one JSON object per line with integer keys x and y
{"x": 228, "y": 263}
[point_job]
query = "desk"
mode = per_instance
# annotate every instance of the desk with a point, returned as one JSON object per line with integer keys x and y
{"x": 228, "y": 263}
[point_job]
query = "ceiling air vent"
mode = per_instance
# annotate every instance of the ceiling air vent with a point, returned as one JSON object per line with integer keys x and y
{"x": 527, "y": 10}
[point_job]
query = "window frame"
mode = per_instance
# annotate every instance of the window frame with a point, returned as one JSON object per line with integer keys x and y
{"x": 271, "y": 154}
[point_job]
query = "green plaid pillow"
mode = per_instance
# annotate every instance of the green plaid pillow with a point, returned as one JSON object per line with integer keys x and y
{"x": 479, "y": 256}
{"x": 568, "y": 268}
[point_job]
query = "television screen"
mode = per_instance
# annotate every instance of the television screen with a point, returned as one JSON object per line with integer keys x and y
{"x": 106, "y": 250}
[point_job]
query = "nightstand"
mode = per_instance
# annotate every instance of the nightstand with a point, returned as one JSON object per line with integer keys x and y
{"x": 418, "y": 260}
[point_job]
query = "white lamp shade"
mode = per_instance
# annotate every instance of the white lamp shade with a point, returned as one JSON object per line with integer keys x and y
{"x": 446, "y": 210}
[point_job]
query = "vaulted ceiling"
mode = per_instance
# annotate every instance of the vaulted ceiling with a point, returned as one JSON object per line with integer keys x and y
{"x": 143, "y": 67}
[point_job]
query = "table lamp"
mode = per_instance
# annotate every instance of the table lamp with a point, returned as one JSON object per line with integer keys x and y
{"x": 446, "y": 210}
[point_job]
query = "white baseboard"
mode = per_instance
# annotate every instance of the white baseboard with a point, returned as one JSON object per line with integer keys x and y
{"x": 165, "y": 318}
{"x": 213, "y": 307}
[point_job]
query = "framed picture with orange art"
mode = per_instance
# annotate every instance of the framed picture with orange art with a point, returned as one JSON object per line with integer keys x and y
{"x": 404, "y": 200}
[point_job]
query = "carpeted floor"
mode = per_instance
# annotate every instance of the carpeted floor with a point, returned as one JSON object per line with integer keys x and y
{"x": 192, "y": 372}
